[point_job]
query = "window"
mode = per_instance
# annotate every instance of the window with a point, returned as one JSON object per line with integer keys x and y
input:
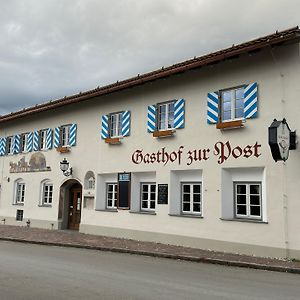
{"x": 65, "y": 135}
{"x": 115, "y": 128}
{"x": 148, "y": 196}
{"x": 232, "y": 104}
{"x": 19, "y": 215}
{"x": 47, "y": 193}
{"x": 20, "y": 192}
{"x": 191, "y": 198}
{"x": 111, "y": 195}
{"x": 165, "y": 116}
{"x": 24, "y": 142}
{"x": 9, "y": 145}
{"x": 248, "y": 200}
{"x": 42, "y": 139}
{"x": 91, "y": 183}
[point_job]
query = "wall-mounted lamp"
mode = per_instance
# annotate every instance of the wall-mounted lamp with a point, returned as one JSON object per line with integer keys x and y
{"x": 64, "y": 166}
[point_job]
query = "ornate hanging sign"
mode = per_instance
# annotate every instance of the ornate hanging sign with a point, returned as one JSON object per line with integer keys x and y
{"x": 281, "y": 140}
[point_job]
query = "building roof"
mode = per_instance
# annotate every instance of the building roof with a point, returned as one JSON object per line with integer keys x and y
{"x": 278, "y": 38}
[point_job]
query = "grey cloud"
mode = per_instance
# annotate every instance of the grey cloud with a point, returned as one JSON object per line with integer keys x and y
{"x": 53, "y": 48}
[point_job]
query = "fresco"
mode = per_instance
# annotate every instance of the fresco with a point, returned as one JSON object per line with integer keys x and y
{"x": 37, "y": 163}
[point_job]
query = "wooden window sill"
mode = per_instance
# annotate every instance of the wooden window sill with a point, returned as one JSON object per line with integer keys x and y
{"x": 163, "y": 133}
{"x": 63, "y": 149}
{"x": 113, "y": 141}
{"x": 230, "y": 125}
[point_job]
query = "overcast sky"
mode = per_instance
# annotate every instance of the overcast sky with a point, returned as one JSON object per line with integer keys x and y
{"x": 53, "y": 48}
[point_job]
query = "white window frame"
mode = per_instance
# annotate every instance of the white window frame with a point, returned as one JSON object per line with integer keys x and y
{"x": 248, "y": 201}
{"x": 24, "y": 142}
{"x": 20, "y": 189}
{"x": 9, "y": 145}
{"x": 168, "y": 123}
{"x": 47, "y": 193}
{"x": 115, "y": 124}
{"x": 233, "y": 101}
{"x": 191, "y": 201}
{"x": 65, "y": 135}
{"x": 43, "y": 139}
{"x": 114, "y": 193}
{"x": 149, "y": 193}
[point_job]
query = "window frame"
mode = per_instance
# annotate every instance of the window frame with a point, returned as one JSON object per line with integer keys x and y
{"x": 91, "y": 183}
{"x": 9, "y": 150}
{"x": 114, "y": 193}
{"x": 191, "y": 211}
{"x": 247, "y": 216}
{"x": 149, "y": 200}
{"x": 67, "y": 139}
{"x": 118, "y": 129}
{"x": 19, "y": 215}
{"x": 167, "y": 115}
{"x": 47, "y": 201}
{"x": 24, "y": 142}
{"x": 232, "y": 104}
{"x": 43, "y": 141}
{"x": 19, "y": 198}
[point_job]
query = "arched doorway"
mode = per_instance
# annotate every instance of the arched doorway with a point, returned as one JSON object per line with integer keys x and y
{"x": 70, "y": 204}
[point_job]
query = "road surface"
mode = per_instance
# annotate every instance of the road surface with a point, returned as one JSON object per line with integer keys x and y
{"x": 44, "y": 272}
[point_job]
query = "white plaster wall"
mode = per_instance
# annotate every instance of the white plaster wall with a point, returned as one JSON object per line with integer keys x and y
{"x": 278, "y": 86}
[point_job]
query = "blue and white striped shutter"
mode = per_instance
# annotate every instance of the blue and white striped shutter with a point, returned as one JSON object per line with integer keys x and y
{"x": 49, "y": 139}
{"x": 73, "y": 135}
{"x": 250, "y": 101}
{"x": 212, "y": 107}
{"x": 126, "y": 123}
{"x": 179, "y": 112}
{"x": 2, "y": 146}
{"x": 16, "y": 144}
{"x": 104, "y": 127}
{"x": 151, "y": 119}
{"x": 30, "y": 142}
{"x": 36, "y": 141}
{"x": 57, "y": 137}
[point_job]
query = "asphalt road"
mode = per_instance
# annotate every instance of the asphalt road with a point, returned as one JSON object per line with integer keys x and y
{"x": 42, "y": 272}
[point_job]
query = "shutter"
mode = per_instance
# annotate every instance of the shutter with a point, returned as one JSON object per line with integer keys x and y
{"x": 126, "y": 123}
{"x": 73, "y": 135}
{"x": 36, "y": 141}
{"x": 151, "y": 120}
{"x": 57, "y": 137}
{"x": 2, "y": 146}
{"x": 179, "y": 112}
{"x": 30, "y": 142}
{"x": 212, "y": 107}
{"x": 49, "y": 139}
{"x": 104, "y": 130}
{"x": 250, "y": 101}
{"x": 16, "y": 144}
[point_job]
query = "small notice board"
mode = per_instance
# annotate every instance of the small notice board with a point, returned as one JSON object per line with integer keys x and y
{"x": 124, "y": 180}
{"x": 162, "y": 194}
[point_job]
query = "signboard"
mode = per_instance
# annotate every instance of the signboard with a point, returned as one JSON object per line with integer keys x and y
{"x": 281, "y": 140}
{"x": 124, "y": 190}
{"x": 162, "y": 194}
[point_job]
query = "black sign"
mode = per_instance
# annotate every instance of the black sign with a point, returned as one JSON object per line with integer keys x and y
{"x": 162, "y": 194}
{"x": 124, "y": 190}
{"x": 281, "y": 140}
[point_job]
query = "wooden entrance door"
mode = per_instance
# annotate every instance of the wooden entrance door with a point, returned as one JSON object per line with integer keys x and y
{"x": 74, "y": 208}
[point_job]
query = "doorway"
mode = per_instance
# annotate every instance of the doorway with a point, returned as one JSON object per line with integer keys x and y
{"x": 74, "y": 207}
{"x": 70, "y": 203}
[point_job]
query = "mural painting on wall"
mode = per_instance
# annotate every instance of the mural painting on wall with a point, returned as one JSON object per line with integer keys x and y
{"x": 221, "y": 151}
{"x": 37, "y": 163}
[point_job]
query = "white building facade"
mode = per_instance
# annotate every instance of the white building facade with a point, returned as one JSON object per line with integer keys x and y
{"x": 179, "y": 155}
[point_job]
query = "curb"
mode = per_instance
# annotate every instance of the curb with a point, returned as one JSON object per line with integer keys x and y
{"x": 207, "y": 260}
